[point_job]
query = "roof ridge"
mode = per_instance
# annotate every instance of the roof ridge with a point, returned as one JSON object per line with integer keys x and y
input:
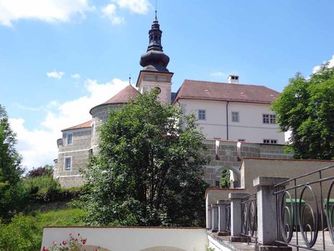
{"x": 215, "y": 82}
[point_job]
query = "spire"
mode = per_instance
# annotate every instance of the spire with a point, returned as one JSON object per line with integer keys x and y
{"x": 154, "y": 59}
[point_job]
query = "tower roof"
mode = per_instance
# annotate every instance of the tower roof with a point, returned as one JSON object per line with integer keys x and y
{"x": 124, "y": 96}
{"x": 154, "y": 59}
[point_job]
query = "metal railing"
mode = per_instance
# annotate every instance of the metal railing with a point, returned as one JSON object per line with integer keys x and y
{"x": 249, "y": 217}
{"x": 305, "y": 210}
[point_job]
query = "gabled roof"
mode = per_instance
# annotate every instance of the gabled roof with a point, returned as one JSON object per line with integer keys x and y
{"x": 204, "y": 90}
{"x": 124, "y": 96}
{"x": 87, "y": 124}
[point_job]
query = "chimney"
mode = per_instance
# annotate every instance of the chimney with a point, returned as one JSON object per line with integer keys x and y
{"x": 233, "y": 79}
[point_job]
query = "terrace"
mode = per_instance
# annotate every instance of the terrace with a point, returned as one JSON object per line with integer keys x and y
{"x": 283, "y": 214}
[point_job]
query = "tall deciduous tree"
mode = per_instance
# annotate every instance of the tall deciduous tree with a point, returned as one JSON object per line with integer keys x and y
{"x": 10, "y": 189}
{"x": 306, "y": 107}
{"x": 149, "y": 169}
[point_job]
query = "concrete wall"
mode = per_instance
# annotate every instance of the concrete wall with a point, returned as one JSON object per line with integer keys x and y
{"x": 133, "y": 239}
{"x": 250, "y": 126}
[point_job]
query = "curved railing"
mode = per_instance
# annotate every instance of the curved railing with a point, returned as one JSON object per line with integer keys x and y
{"x": 249, "y": 217}
{"x": 305, "y": 210}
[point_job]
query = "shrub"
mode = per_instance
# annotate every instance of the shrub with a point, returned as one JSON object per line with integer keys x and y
{"x": 22, "y": 233}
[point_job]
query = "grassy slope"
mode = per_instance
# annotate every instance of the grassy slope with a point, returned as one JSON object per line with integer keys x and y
{"x": 24, "y": 233}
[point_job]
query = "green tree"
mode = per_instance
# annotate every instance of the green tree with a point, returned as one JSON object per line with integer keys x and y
{"x": 306, "y": 107}
{"x": 11, "y": 190}
{"x": 149, "y": 170}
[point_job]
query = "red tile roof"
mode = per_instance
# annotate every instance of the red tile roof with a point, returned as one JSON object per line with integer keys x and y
{"x": 87, "y": 124}
{"x": 124, "y": 96}
{"x": 204, "y": 90}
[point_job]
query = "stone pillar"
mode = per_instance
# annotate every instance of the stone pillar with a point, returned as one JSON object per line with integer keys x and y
{"x": 214, "y": 215}
{"x": 236, "y": 199}
{"x": 208, "y": 217}
{"x": 267, "y": 219}
{"x": 221, "y": 216}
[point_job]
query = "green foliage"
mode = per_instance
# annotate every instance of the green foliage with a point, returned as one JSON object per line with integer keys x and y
{"x": 11, "y": 191}
{"x": 225, "y": 178}
{"x": 149, "y": 168}
{"x": 44, "y": 189}
{"x": 306, "y": 107}
{"x": 24, "y": 233}
{"x": 21, "y": 234}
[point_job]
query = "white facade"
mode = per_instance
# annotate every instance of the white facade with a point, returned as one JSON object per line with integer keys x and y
{"x": 218, "y": 122}
{"x": 132, "y": 239}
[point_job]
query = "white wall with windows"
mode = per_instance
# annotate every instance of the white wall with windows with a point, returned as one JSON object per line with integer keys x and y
{"x": 253, "y": 123}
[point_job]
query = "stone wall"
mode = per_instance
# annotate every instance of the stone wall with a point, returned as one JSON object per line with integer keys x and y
{"x": 79, "y": 151}
{"x": 229, "y": 158}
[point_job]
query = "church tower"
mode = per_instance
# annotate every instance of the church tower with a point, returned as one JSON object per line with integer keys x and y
{"x": 154, "y": 73}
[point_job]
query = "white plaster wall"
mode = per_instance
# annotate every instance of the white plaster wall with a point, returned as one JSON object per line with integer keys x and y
{"x": 249, "y": 127}
{"x": 133, "y": 239}
{"x": 215, "y": 124}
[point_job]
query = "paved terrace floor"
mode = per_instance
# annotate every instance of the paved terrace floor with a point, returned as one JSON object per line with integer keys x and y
{"x": 244, "y": 246}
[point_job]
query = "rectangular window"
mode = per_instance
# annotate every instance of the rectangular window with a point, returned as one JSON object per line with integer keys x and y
{"x": 269, "y": 118}
{"x": 235, "y": 116}
{"x": 265, "y": 118}
{"x": 270, "y": 141}
{"x": 201, "y": 115}
{"x": 68, "y": 163}
{"x": 69, "y": 139}
{"x": 272, "y": 119}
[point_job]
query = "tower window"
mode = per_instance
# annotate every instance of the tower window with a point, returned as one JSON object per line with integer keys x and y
{"x": 201, "y": 115}
{"x": 69, "y": 139}
{"x": 68, "y": 163}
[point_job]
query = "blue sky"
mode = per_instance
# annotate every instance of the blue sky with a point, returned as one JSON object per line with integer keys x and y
{"x": 60, "y": 57}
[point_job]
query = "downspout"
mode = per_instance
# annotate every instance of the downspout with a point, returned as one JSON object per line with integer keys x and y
{"x": 227, "y": 102}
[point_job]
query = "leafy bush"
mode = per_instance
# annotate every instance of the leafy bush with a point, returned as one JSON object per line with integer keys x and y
{"x": 44, "y": 189}
{"x": 24, "y": 233}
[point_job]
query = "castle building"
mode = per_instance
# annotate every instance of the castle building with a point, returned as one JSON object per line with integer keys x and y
{"x": 227, "y": 112}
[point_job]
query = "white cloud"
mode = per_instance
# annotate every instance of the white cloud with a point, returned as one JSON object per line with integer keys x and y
{"x": 135, "y": 6}
{"x": 55, "y": 74}
{"x": 217, "y": 74}
{"x": 38, "y": 146}
{"x": 43, "y": 10}
{"x": 76, "y": 76}
{"x": 318, "y": 67}
{"x": 109, "y": 11}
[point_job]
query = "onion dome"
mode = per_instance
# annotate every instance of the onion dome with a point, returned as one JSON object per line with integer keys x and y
{"x": 154, "y": 59}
